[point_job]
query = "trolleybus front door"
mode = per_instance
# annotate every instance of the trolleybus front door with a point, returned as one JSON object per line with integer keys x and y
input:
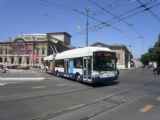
{"x": 87, "y": 68}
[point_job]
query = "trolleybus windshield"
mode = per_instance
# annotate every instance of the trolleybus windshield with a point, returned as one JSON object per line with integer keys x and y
{"x": 104, "y": 61}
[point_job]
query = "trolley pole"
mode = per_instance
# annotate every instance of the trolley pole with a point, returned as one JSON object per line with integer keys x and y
{"x": 53, "y": 60}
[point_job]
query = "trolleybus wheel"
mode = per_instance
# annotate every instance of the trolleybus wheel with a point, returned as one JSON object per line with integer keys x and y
{"x": 57, "y": 73}
{"x": 77, "y": 77}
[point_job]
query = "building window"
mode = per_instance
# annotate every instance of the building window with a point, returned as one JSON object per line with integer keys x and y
{"x": 43, "y": 51}
{"x": 1, "y": 60}
{"x": 6, "y": 51}
{"x": 37, "y": 51}
{"x": 5, "y": 60}
{"x": 1, "y": 51}
{"x": 27, "y": 60}
{"x": 20, "y": 61}
{"x": 37, "y": 60}
{"x": 12, "y": 60}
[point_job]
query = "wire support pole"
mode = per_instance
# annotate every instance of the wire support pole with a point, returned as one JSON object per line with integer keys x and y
{"x": 87, "y": 25}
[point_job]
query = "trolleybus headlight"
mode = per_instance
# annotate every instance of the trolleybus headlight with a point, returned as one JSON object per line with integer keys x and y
{"x": 95, "y": 75}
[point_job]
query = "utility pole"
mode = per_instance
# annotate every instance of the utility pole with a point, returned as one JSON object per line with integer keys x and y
{"x": 87, "y": 24}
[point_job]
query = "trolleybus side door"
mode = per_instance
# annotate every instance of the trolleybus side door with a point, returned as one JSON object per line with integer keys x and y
{"x": 87, "y": 68}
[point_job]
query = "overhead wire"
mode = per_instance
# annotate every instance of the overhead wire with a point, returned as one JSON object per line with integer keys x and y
{"x": 73, "y": 9}
{"x": 130, "y": 13}
{"x": 108, "y": 6}
{"x": 137, "y": 12}
{"x": 107, "y": 11}
{"x": 148, "y": 9}
{"x": 116, "y": 17}
{"x": 101, "y": 24}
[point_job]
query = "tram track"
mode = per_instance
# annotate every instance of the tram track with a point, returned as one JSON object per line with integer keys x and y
{"x": 39, "y": 94}
{"x": 114, "y": 99}
{"x": 111, "y": 98}
{"x": 36, "y": 95}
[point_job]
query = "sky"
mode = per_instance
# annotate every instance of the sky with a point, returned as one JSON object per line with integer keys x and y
{"x": 124, "y": 22}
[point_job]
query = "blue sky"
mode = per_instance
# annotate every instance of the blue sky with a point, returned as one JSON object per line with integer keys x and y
{"x": 41, "y": 16}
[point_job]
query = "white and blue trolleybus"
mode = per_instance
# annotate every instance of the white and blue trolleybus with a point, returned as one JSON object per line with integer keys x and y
{"x": 88, "y": 64}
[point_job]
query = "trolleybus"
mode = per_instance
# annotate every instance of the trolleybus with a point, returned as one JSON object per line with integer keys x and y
{"x": 88, "y": 64}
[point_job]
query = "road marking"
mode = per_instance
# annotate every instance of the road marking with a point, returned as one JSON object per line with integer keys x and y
{"x": 146, "y": 108}
{"x": 2, "y": 84}
{"x": 21, "y": 79}
{"x": 6, "y": 83}
{"x": 61, "y": 85}
{"x": 75, "y": 107}
{"x": 39, "y": 87}
{"x": 158, "y": 98}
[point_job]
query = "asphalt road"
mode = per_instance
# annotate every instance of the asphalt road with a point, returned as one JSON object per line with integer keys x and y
{"x": 135, "y": 97}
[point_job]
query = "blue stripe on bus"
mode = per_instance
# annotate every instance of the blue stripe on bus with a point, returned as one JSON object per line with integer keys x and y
{"x": 71, "y": 67}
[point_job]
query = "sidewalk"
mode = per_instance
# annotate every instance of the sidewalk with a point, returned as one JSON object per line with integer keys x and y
{"x": 21, "y": 75}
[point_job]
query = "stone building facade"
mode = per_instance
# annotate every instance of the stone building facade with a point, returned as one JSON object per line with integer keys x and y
{"x": 30, "y": 49}
{"x": 124, "y": 56}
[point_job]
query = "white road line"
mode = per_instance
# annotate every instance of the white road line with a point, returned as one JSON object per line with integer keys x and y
{"x": 74, "y": 107}
{"x": 21, "y": 79}
{"x": 61, "y": 85}
{"x": 39, "y": 87}
{"x": 2, "y": 84}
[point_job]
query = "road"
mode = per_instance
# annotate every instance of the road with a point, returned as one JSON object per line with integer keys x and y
{"x": 135, "y": 97}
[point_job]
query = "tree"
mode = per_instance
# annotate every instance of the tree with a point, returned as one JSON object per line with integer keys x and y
{"x": 145, "y": 59}
{"x": 157, "y": 44}
{"x": 153, "y": 54}
{"x": 157, "y": 51}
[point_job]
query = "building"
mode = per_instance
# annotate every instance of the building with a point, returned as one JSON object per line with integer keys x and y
{"x": 30, "y": 49}
{"x": 124, "y": 56}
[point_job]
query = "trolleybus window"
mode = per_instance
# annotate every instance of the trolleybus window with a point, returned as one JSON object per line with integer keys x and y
{"x": 59, "y": 63}
{"x": 78, "y": 62}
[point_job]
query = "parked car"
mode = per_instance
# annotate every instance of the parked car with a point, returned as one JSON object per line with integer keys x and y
{"x": 11, "y": 66}
{"x": 1, "y": 66}
{"x": 4, "y": 70}
{"x": 156, "y": 70}
{"x": 25, "y": 67}
{"x": 38, "y": 66}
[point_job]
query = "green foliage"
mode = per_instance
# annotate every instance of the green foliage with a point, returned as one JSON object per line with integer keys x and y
{"x": 145, "y": 59}
{"x": 157, "y": 44}
{"x": 153, "y": 54}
